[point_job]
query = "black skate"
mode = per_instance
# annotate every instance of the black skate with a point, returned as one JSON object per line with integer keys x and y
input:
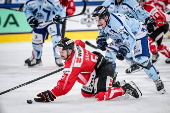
{"x": 59, "y": 62}
{"x": 132, "y": 89}
{"x": 155, "y": 58}
{"x": 35, "y": 62}
{"x": 160, "y": 86}
{"x": 133, "y": 68}
{"x": 28, "y": 60}
{"x": 167, "y": 60}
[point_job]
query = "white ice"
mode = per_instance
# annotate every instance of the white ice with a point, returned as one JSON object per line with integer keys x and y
{"x": 13, "y": 73}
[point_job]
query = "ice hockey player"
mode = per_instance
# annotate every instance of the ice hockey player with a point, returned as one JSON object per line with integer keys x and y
{"x": 157, "y": 32}
{"x": 132, "y": 9}
{"x": 37, "y": 11}
{"x": 127, "y": 35}
{"x": 162, "y": 5}
{"x": 92, "y": 70}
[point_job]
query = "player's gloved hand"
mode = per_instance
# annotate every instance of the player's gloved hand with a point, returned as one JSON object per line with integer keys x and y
{"x": 151, "y": 27}
{"x": 32, "y": 22}
{"x": 56, "y": 19}
{"x": 123, "y": 50}
{"x": 149, "y": 20}
{"x": 45, "y": 96}
{"x": 101, "y": 43}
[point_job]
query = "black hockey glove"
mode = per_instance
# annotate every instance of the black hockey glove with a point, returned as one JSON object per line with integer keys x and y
{"x": 56, "y": 19}
{"x": 101, "y": 43}
{"x": 149, "y": 20}
{"x": 45, "y": 96}
{"x": 151, "y": 27}
{"x": 32, "y": 22}
{"x": 123, "y": 50}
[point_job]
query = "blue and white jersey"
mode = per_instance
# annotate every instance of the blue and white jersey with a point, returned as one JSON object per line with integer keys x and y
{"x": 123, "y": 28}
{"x": 43, "y": 10}
{"x": 128, "y": 7}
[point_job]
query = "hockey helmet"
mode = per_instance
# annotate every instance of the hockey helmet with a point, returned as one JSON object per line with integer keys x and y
{"x": 65, "y": 44}
{"x": 100, "y": 12}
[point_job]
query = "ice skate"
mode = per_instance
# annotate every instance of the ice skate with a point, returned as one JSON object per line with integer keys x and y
{"x": 28, "y": 60}
{"x": 167, "y": 60}
{"x": 132, "y": 89}
{"x": 59, "y": 62}
{"x": 35, "y": 62}
{"x": 133, "y": 68}
{"x": 160, "y": 86}
{"x": 155, "y": 58}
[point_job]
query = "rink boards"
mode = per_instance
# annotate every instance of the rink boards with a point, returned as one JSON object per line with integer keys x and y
{"x": 14, "y": 26}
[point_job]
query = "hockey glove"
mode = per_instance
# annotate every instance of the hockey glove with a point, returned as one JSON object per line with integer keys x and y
{"x": 123, "y": 50}
{"x": 101, "y": 43}
{"x": 32, "y": 22}
{"x": 150, "y": 27}
{"x": 56, "y": 19}
{"x": 45, "y": 96}
{"x": 149, "y": 20}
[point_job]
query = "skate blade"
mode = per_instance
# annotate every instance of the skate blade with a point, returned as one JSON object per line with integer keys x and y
{"x": 134, "y": 71}
{"x": 137, "y": 89}
{"x": 162, "y": 91}
{"x": 36, "y": 65}
{"x": 25, "y": 64}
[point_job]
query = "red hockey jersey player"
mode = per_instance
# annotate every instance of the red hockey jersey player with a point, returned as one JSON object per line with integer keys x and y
{"x": 156, "y": 33}
{"x": 159, "y": 4}
{"x": 92, "y": 70}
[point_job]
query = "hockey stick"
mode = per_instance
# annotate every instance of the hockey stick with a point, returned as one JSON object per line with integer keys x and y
{"x": 26, "y": 83}
{"x": 160, "y": 23}
{"x": 146, "y": 67}
{"x": 82, "y": 12}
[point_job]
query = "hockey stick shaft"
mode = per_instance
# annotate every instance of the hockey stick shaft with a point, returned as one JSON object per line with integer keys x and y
{"x": 134, "y": 62}
{"x": 82, "y": 12}
{"x": 26, "y": 83}
{"x": 146, "y": 67}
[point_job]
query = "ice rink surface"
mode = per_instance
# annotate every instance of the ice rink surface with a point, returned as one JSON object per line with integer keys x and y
{"x": 13, "y": 73}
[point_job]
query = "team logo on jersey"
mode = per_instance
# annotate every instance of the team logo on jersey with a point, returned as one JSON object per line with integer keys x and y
{"x": 32, "y": 3}
{"x": 51, "y": 30}
{"x": 40, "y": 16}
{"x": 125, "y": 8}
{"x": 111, "y": 8}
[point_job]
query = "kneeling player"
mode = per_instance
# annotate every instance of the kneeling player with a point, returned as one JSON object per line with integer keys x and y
{"x": 90, "y": 69}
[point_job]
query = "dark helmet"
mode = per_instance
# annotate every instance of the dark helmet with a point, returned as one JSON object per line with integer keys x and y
{"x": 101, "y": 12}
{"x": 65, "y": 44}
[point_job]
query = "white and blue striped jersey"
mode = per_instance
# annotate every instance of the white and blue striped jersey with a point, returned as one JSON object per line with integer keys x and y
{"x": 43, "y": 10}
{"x": 121, "y": 27}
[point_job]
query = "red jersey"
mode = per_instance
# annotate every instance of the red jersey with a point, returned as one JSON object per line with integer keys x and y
{"x": 70, "y": 6}
{"x": 159, "y": 4}
{"x": 156, "y": 14}
{"x": 78, "y": 67}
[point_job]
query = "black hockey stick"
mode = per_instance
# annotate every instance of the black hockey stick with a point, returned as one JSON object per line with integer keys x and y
{"x": 146, "y": 67}
{"x": 82, "y": 12}
{"x": 26, "y": 83}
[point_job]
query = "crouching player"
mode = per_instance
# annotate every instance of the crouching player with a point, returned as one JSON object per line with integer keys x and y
{"x": 92, "y": 70}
